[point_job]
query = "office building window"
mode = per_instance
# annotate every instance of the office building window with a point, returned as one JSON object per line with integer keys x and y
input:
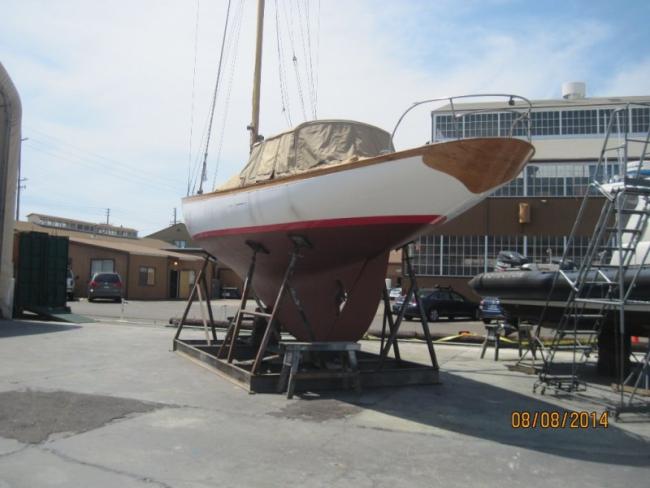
{"x": 425, "y": 255}
{"x": 147, "y": 276}
{"x": 575, "y": 122}
{"x": 467, "y": 256}
{"x": 569, "y": 122}
{"x": 447, "y": 127}
{"x": 513, "y": 123}
{"x": 558, "y": 179}
{"x": 496, "y": 244}
{"x": 641, "y": 119}
{"x": 481, "y": 125}
{"x": 513, "y": 189}
{"x": 545, "y": 123}
{"x": 463, "y": 255}
{"x": 544, "y": 249}
{"x": 619, "y": 124}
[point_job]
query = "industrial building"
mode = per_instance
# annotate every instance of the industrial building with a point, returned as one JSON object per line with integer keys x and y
{"x": 82, "y": 226}
{"x": 150, "y": 268}
{"x": 534, "y": 213}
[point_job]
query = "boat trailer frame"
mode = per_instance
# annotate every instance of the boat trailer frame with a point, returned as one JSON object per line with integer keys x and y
{"x": 270, "y": 364}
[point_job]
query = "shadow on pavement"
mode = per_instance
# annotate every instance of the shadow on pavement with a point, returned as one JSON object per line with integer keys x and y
{"x": 484, "y": 411}
{"x": 15, "y": 328}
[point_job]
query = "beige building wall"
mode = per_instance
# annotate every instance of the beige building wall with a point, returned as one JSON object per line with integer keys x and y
{"x": 80, "y": 257}
{"x": 128, "y": 267}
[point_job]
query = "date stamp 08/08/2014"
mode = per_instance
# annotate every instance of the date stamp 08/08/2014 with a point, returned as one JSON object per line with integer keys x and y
{"x": 558, "y": 420}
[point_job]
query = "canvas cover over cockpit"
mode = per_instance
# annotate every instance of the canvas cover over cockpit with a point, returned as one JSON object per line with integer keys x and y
{"x": 311, "y": 144}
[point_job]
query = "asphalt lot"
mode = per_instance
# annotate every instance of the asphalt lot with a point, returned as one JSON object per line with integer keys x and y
{"x": 108, "y": 404}
{"x": 159, "y": 313}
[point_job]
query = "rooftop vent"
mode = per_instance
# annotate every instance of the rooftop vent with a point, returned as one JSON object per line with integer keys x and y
{"x": 574, "y": 90}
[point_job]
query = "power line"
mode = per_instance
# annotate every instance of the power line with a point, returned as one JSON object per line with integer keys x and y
{"x": 106, "y": 170}
{"x": 78, "y": 151}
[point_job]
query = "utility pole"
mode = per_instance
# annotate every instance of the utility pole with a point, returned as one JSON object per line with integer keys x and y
{"x": 20, "y": 186}
{"x": 174, "y": 222}
{"x": 108, "y": 215}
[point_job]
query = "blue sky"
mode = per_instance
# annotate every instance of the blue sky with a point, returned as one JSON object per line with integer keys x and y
{"x": 107, "y": 87}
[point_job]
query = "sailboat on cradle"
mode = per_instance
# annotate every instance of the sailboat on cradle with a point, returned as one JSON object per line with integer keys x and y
{"x": 341, "y": 186}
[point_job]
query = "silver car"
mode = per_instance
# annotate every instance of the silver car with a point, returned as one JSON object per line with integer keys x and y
{"x": 394, "y": 293}
{"x": 105, "y": 285}
{"x": 69, "y": 285}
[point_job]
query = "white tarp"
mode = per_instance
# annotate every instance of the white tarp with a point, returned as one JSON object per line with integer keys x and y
{"x": 309, "y": 145}
{"x": 10, "y": 117}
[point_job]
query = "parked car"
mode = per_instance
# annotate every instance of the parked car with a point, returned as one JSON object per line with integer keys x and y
{"x": 394, "y": 293}
{"x": 228, "y": 292}
{"x": 69, "y": 285}
{"x": 490, "y": 309}
{"x": 439, "y": 302}
{"x": 105, "y": 285}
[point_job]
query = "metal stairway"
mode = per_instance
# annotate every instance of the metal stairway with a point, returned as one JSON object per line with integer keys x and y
{"x": 603, "y": 285}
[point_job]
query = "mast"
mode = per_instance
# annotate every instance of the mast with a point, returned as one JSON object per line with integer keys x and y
{"x": 255, "y": 122}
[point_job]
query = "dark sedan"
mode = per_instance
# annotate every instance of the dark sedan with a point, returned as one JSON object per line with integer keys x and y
{"x": 439, "y": 302}
{"x": 490, "y": 309}
{"x": 105, "y": 285}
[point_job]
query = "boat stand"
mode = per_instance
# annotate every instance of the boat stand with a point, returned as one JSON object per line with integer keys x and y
{"x": 413, "y": 291}
{"x": 273, "y": 363}
{"x": 636, "y": 385}
{"x": 199, "y": 290}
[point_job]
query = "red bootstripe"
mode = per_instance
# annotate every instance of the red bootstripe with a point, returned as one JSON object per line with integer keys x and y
{"x": 324, "y": 224}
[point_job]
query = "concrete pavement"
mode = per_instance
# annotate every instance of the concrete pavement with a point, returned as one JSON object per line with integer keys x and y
{"x": 159, "y": 313}
{"x": 160, "y": 420}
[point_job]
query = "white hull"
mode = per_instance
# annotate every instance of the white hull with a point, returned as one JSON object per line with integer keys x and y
{"x": 352, "y": 214}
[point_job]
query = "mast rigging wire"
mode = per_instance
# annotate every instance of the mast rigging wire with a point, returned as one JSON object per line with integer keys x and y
{"x": 214, "y": 102}
{"x": 305, "y": 38}
{"x": 284, "y": 95}
{"x": 196, "y": 44}
{"x": 294, "y": 59}
{"x": 233, "y": 47}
